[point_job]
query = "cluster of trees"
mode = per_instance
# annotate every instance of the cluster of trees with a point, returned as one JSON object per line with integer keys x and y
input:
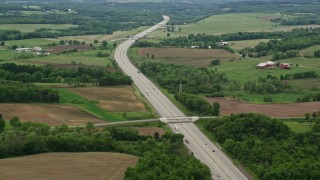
{"x": 305, "y": 19}
{"x": 32, "y": 73}
{"x": 13, "y": 91}
{"x": 309, "y": 98}
{"x": 268, "y": 147}
{"x": 299, "y": 75}
{"x": 195, "y": 103}
{"x": 163, "y": 157}
{"x": 317, "y": 54}
{"x": 285, "y": 41}
{"x": 286, "y": 55}
{"x": 270, "y": 84}
{"x": 193, "y": 80}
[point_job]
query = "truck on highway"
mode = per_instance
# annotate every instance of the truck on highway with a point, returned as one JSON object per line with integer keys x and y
{"x": 176, "y": 127}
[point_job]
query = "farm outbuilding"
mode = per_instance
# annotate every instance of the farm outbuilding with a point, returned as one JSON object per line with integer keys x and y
{"x": 285, "y": 65}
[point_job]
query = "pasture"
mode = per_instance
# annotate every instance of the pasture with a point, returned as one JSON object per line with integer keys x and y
{"x": 238, "y": 45}
{"x": 245, "y": 69}
{"x": 237, "y": 22}
{"x": 33, "y": 27}
{"x": 233, "y": 106}
{"x": 51, "y": 114}
{"x": 80, "y": 166}
{"x": 194, "y": 57}
{"x": 309, "y": 51}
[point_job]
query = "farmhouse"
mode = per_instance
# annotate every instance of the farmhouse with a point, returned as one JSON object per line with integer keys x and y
{"x": 264, "y": 65}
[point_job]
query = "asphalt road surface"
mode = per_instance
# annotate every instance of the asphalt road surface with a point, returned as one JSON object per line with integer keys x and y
{"x": 220, "y": 165}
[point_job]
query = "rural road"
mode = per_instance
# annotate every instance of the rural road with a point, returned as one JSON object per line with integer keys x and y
{"x": 220, "y": 165}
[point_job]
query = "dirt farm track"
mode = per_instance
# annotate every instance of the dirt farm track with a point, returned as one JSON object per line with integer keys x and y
{"x": 50, "y": 114}
{"x": 232, "y": 106}
{"x": 67, "y": 166}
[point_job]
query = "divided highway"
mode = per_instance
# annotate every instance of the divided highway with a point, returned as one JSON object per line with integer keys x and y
{"x": 220, "y": 165}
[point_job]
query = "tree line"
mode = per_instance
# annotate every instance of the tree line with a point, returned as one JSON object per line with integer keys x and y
{"x": 165, "y": 155}
{"x": 13, "y": 91}
{"x": 50, "y": 74}
{"x": 268, "y": 147}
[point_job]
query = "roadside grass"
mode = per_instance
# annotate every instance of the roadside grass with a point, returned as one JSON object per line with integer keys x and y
{"x": 32, "y": 42}
{"x": 201, "y": 123}
{"x": 69, "y": 98}
{"x": 298, "y": 126}
{"x": 238, "y": 45}
{"x": 151, "y": 112}
{"x": 133, "y": 55}
{"x": 236, "y": 22}
{"x": 33, "y": 27}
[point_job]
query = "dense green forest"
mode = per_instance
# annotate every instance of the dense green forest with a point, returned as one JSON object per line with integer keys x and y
{"x": 193, "y": 80}
{"x": 160, "y": 157}
{"x": 268, "y": 147}
{"x": 95, "y": 17}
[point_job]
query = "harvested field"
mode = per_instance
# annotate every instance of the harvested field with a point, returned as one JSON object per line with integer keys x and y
{"x": 195, "y": 57}
{"x": 59, "y": 49}
{"x": 115, "y": 99}
{"x": 50, "y": 114}
{"x": 80, "y": 166}
{"x": 232, "y": 106}
{"x": 149, "y": 131}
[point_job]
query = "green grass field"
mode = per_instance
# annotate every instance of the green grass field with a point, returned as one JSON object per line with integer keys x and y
{"x": 298, "y": 127}
{"x": 238, "y": 45}
{"x": 245, "y": 69}
{"x": 237, "y": 22}
{"x": 6, "y": 54}
{"x": 32, "y": 27}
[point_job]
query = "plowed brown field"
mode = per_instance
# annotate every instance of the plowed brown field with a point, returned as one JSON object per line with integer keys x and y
{"x": 195, "y": 57}
{"x": 79, "y": 166}
{"x": 232, "y": 106}
{"x": 116, "y": 99}
{"x": 149, "y": 131}
{"x": 50, "y": 114}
